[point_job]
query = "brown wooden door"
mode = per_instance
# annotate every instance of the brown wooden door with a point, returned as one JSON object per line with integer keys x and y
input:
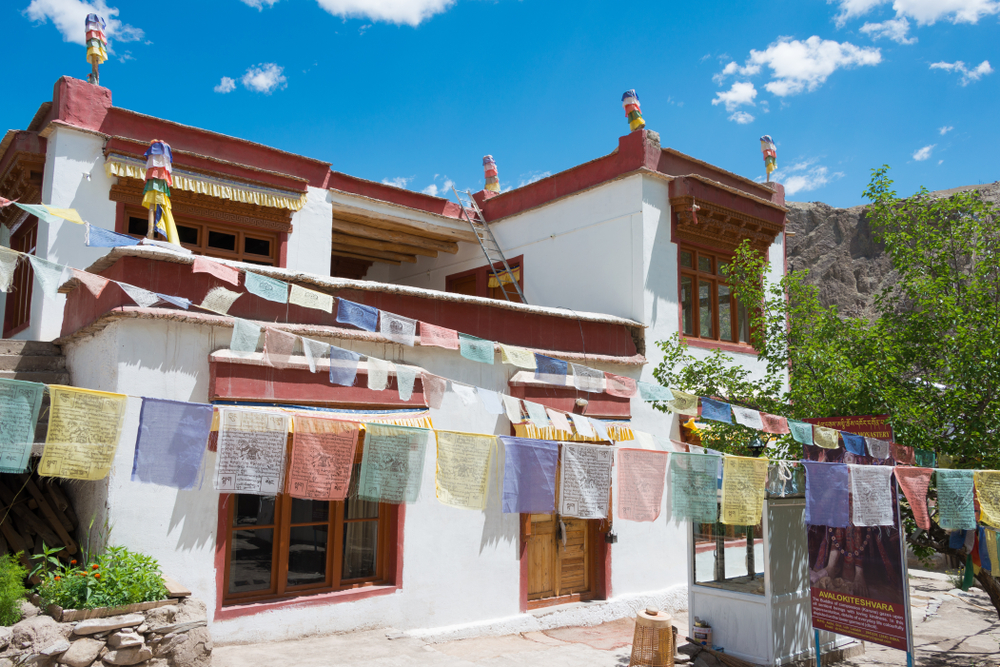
{"x": 559, "y": 562}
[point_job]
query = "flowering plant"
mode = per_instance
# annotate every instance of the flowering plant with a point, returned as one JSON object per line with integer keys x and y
{"x": 115, "y": 578}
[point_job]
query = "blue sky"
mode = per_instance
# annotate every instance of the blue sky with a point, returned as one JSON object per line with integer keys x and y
{"x": 415, "y": 92}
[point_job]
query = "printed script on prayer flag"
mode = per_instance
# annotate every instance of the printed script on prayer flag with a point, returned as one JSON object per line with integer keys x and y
{"x": 20, "y": 402}
{"x": 693, "y": 487}
{"x": 956, "y": 509}
{"x": 988, "y": 489}
{"x": 393, "y": 463}
{"x": 323, "y": 452}
{"x": 585, "y": 480}
{"x": 463, "y": 468}
{"x": 641, "y": 479}
{"x": 84, "y": 429}
{"x": 914, "y": 482}
{"x": 871, "y": 495}
{"x": 743, "y": 482}
{"x": 251, "y": 451}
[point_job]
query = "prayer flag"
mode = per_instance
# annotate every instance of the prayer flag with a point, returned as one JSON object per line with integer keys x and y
{"x": 802, "y": 432}
{"x": 357, "y": 315}
{"x": 434, "y": 389}
{"x": 245, "y": 337}
{"x": 8, "y": 263}
{"x": 84, "y": 429}
{"x": 313, "y": 350}
{"x": 218, "y": 300}
{"x": 549, "y": 366}
{"x": 582, "y": 425}
{"x": 512, "y": 406}
{"x": 827, "y": 438}
{"x": 39, "y": 212}
{"x": 537, "y": 414}
{"x": 683, "y": 403}
{"x": 378, "y": 373}
{"x": 774, "y": 424}
{"x": 438, "y": 336}
{"x": 69, "y": 214}
{"x": 171, "y": 442}
{"x": 517, "y": 356}
{"x": 641, "y": 479}
{"x": 855, "y": 444}
{"x": 693, "y": 487}
{"x": 397, "y": 328}
{"x": 229, "y": 274}
{"x": 464, "y": 392}
{"x": 600, "y": 428}
{"x": 463, "y": 469}
{"x": 956, "y": 509}
{"x": 323, "y": 452}
{"x": 914, "y": 482}
{"x": 988, "y": 489}
{"x": 142, "y": 297}
{"x": 98, "y": 237}
{"x": 619, "y": 385}
{"x": 878, "y": 449}
{"x": 827, "y": 496}
{"x": 587, "y": 379}
{"x": 559, "y": 420}
{"x": 490, "y": 400}
{"x": 984, "y": 551}
{"x": 174, "y": 300}
{"x": 405, "y": 377}
{"x": 901, "y": 454}
{"x": 871, "y": 495}
{"x": 278, "y": 347}
{"x": 48, "y": 274}
{"x": 653, "y": 392}
{"x": 743, "y": 482}
{"x": 748, "y": 417}
{"x": 251, "y": 451}
{"x": 20, "y": 402}
{"x": 718, "y": 411}
{"x": 343, "y": 366}
{"x": 585, "y": 480}
{"x": 393, "y": 463}
{"x": 924, "y": 458}
{"x": 307, "y": 298}
{"x": 266, "y": 288}
{"x": 529, "y": 481}
{"x": 476, "y": 349}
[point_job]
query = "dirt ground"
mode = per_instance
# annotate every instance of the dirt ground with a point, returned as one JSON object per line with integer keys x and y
{"x": 950, "y": 628}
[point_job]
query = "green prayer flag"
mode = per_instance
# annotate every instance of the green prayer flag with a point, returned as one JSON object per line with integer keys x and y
{"x": 20, "y": 402}
{"x": 246, "y": 335}
{"x": 476, "y": 349}
{"x": 393, "y": 463}
{"x": 693, "y": 487}
{"x": 802, "y": 432}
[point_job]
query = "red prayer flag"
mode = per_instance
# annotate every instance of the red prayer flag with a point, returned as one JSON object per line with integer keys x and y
{"x": 902, "y": 454}
{"x": 221, "y": 271}
{"x": 617, "y": 385}
{"x": 914, "y": 482}
{"x": 438, "y": 336}
{"x": 322, "y": 457}
{"x": 774, "y": 423}
{"x": 642, "y": 475}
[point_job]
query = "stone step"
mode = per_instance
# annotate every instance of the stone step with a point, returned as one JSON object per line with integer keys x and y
{"x": 34, "y": 348}
{"x": 47, "y": 377}
{"x": 12, "y": 362}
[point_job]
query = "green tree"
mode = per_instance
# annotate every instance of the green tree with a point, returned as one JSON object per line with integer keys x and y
{"x": 929, "y": 355}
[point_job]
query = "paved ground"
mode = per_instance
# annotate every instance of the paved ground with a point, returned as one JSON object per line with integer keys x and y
{"x": 951, "y": 628}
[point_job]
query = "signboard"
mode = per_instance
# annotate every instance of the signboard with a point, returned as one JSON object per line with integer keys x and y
{"x": 857, "y": 574}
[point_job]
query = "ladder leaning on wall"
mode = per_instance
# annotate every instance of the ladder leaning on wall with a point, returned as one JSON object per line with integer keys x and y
{"x": 494, "y": 256}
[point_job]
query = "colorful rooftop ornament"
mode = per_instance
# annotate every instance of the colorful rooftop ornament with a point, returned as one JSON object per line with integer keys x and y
{"x": 630, "y": 101}
{"x": 490, "y": 172}
{"x": 770, "y": 152}
{"x": 156, "y": 195}
{"x": 97, "y": 44}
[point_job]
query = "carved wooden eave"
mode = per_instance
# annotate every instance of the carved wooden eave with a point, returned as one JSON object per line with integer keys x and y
{"x": 709, "y": 224}
{"x": 21, "y": 181}
{"x": 129, "y": 191}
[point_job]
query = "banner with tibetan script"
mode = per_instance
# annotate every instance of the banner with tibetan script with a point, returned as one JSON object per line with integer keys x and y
{"x": 323, "y": 452}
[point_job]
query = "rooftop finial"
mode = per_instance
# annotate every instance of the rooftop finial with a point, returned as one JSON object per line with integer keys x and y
{"x": 490, "y": 172}
{"x": 97, "y": 45}
{"x": 630, "y": 101}
{"x": 156, "y": 195}
{"x": 770, "y": 155}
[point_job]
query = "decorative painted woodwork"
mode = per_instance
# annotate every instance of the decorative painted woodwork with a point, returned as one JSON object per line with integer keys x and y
{"x": 705, "y": 223}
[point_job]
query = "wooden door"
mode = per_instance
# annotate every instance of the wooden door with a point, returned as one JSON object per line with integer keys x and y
{"x": 559, "y": 560}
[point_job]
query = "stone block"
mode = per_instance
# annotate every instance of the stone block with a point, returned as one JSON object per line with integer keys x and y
{"x": 28, "y": 610}
{"x": 55, "y": 648}
{"x": 124, "y": 640}
{"x": 169, "y": 643}
{"x": 190, "y": 609}
{"x": 81, "y": 653}
{"x": 93, "y": 626}
{"x": 161, "y": 615}
{"x": 132, "y": 655}
{"x": 195, "y": 652}
{"x": 37, "y": 631}
{"x": 6, "y": 634}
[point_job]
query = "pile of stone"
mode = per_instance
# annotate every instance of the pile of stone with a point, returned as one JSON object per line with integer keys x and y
{"x": 172, "y": 636}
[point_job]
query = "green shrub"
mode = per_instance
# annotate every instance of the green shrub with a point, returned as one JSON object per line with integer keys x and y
{"x": 116, "y": 578}
{"x": 12, "y": 589}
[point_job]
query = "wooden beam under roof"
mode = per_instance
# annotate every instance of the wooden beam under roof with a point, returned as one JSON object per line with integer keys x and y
{"x": 381, "y": 245}
{"x": 344, "y": 253}
{"x": 423, "y": 228}
{"x": 383, "y": 254}
{"x": 359, "y": 229}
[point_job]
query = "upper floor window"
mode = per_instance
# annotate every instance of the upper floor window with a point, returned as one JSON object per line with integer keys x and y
{"x": 17, "y": 313}
{"x": 709, "y": 309}
{"x": 216, "y": 239}
{"x": 482, "y": 282}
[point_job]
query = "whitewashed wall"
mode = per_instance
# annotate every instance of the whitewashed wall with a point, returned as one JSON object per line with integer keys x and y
{"x": 309, "y": 243}
{"x": 460, "y": 566}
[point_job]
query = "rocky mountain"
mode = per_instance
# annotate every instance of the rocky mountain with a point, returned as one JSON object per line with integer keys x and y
{"x": 837, "y": 248}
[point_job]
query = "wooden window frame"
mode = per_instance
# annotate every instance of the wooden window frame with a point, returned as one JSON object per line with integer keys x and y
{"x": 205, "y": 226}
{"x": 483, "y": 274}
{"x": 17, "y": 308}
{"x": 388, "y": 566}
{"x": 715, "y": 279}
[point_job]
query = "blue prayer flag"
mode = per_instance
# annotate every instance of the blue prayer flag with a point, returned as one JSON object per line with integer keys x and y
{"x": 98, "y": 237}
{"x": 343, "y": 366}
{"x": 176, "y": 300}
{"x": 855, "y": 444}
{"x": 356, "y": 314}
{"x": 549, "y": 366}
{"x": 529, "y": 480}
{"x": 716, "y": 410}
{"x": 827, "y": 494}
{"x": 984, "y": 553}
{"x": 171, "y": 444}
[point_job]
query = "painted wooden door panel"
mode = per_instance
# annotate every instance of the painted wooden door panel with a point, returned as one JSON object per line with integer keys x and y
{"x": 558, "y": 565}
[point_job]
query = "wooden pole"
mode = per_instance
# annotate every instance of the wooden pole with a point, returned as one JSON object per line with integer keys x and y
{"x": 151, "y": 230}
{"x": 94, "y": 73}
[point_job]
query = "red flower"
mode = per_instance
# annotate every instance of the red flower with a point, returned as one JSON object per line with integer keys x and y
{"x": 72, "y": 562}
{"x": 94, "y": 566}
{"x": 58, "y": 578}
{"x": 97, "y": 575}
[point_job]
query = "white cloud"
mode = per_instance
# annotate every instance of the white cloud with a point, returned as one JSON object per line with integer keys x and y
{"x": 125, "y": 57}
{"x": 946, "y": 129}
{"x": 741, "y": 117}
{"x": 798, "y": 66}
{"x": 264, "y": 78}
{"x": 940, "y": 162}
{"x": 531, "y": 177}
{"x": 69, "y": 17}
{"x": 894, "y": 29}
{"x": 923, "y": 153}
{"x": 398, "y": 182}
{"x": 740, "y": 93}
{"x": 444, "y": 190}
{"x": 805, "y": 175}
{"x": 259, "y": 4}
{"x": 227, "y": 85}
{"x": 410, "y": 12}
{"x": 924, "y": 12}
{"x": 968, "y": 75}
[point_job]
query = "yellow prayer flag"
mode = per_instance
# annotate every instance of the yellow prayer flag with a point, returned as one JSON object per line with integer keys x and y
{"x": 307, "y": 298}
{"x": 988, "y": 492}
{"x": 517, "y": 356}
{"x": 463, "y": 468}
{"x": 65, "y": 213}
{"x": 827, "y": 438}
{"x": 84, "y": 429}
{"x": 743, "y": 480}
{"x": 683, "y": 403}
